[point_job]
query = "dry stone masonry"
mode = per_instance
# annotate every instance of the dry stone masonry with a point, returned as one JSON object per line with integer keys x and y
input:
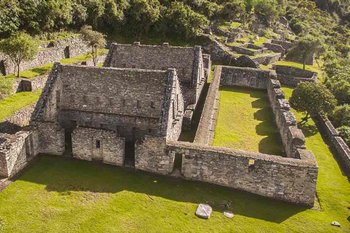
{"x": 131, "y": 113}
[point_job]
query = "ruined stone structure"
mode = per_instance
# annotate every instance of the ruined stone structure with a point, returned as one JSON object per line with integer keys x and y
{"x": 188, "y": 61}
{"x": 292, "y": 76}
{"x": 131, "y": 112}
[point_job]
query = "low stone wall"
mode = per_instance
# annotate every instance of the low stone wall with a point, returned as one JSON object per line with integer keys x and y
{"x": 275, "y": 48}
{"x": 244, "y": 77}
{"x": 342, "y": 151}
{"x": 245, "y": 51}
{"x": 292, "y": 76}
{"x": 285, "y": 44}
{"x": 96, "y": 144}
{"x": 267, "y": 59}
{"x": 292, "y": 137}
{"x": 219, "y": 53}
{"x": 291, "y": 180}
{"x": 22, "y": 117}
{"x": 206, "y": 127}
{"x": 16, "y": 151}
{"x": 151, "y": 156}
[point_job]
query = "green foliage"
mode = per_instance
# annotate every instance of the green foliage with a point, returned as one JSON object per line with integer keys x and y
{"x": 312, "y": 98}
{"x": 267, "y": 11}
{"x": 338, "y": 79}
{"x": 95, "y": 40}
{"x": 308, "y": 45}
{"x": 233, "y": 10}
{"x": 20, "y": 47}
{"x": 341, "y": 116}
{"x": 142, "y": 14}
{"x": 9, "y": 17}
{"x": 181, "y": 20}
{"x": 344, "y": 132}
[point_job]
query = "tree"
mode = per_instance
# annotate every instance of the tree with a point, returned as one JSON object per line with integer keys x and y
{"x": 19, "y": 47}
{"x": 266, "y": 11}
{"x": 312, "y": 98}
{"x": 95, "y": 40}
{"x": 308, "y": 45}
{"x": 142, "y": 14}
{"x": 344, "y": 132}
{"x": 341, "y": 116}
{"x": 233, "y": 10}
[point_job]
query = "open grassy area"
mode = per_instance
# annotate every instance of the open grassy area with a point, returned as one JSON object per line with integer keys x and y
{"x": 313, "y": 68}
{"x": 17, "y": 101}
{"x": 246, "y": 122}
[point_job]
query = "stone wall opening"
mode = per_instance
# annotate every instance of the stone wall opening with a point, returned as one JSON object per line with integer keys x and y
{"x": 66, "y": 52}
{"x": 2, "y": 67}
{"x": 129, "y": 157}
{"x": 178, "y": 162}
{"x": 68, "y": 142}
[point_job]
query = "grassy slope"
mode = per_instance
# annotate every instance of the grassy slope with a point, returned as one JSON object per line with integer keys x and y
{"x": 245, "y": 121}
{"x": 17, "y": 101}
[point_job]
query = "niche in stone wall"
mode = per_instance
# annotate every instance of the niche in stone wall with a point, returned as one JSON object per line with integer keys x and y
{"x": 66, "y": 52}
{"x": 2, "y": 67}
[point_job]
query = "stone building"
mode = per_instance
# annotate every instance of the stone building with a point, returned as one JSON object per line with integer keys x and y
{"x": 191, "y": 64}
{"x": 106, "y": 113}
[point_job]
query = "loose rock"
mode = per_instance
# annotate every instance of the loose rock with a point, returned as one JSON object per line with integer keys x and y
{"x": 229, "y": 214}
{"x": 336, "y": 224}
{"x": 204, "y": 211}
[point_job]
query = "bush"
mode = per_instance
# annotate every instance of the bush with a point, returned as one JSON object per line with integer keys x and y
{"x": 344, "y": 132}
{"x": 341, "y": 116}
{"x": 267, "y": 11}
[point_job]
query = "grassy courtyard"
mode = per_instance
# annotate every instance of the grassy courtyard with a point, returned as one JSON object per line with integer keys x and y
{"x": 246, "y": 122}
{"x": 61, "y": 195}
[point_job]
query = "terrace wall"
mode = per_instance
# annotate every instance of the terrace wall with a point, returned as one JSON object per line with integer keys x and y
{"x": 60, "y": 50}
{"x": 291, "y": 180}
{"x": 292, "y": 76}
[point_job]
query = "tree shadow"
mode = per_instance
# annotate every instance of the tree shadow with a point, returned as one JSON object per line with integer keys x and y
{"x": 308, "y": 130}
{"x": 67, "y": 175}
{"x": 9, "y": 128}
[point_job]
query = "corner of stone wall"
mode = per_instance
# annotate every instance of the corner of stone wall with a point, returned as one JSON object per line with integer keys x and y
{"x": 151, "y": 155}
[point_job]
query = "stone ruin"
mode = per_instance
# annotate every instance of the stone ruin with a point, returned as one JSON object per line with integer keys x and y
{"x": 132, "y": 111}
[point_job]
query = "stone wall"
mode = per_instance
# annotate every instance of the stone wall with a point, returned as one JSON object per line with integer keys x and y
{"x": 21, "y": 117}
{"x": 292, "y": 137}
{"x": 16, "y": 151}
{"x": 266, "y": 59}
{"x": 219, "y": 53}
{"x": 51, "y": 138}
{"x": 151, "y": 156}
{"x": 206, "y": 128}
{"x": 188, "y": 61}
{"x": 96, "y": 144}
{"x": 292, "y": 76}
{"x": 275, "y": 48}
{"x": 244, "y": 77}
{"x": 291, "y": 180}
{"x": 342, "y": 151}
{"x": 61, "y": 49}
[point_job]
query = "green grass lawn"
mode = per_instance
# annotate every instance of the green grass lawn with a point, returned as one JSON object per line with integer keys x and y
{"x": 245, "y": 121}
{"x": 13, "y": 103}
{"x": 313, "y": 68}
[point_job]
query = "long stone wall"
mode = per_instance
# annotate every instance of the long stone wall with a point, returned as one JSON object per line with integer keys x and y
{"x": 16, "y": 151}
{"x": 292, "y": 137}
{"x": 206, "y": 127}
{"x": 244, "y": 77}
{"x": 291, "y": 180}
{"x": 341, "y": 149}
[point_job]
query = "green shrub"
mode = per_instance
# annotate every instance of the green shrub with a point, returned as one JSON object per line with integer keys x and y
{"x": 344, "y": 132}
{"x": 341, "y": 116}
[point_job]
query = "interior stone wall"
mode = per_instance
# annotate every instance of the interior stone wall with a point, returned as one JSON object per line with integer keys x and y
{"x": 51, "y": 138}
{"x": 96, "y": 144}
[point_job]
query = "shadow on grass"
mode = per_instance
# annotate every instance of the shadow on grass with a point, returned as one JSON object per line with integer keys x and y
{"x": 67, "y": 175}
{"x": 308, "y": 130}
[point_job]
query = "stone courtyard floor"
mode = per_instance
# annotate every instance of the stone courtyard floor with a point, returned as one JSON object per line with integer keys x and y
{"x": 246, "y": 122}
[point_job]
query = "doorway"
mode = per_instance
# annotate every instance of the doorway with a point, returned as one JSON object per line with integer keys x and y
{"x": 68, "y": 142}
{"x": 66, "y": 52}
{"x": 129, "y": 157}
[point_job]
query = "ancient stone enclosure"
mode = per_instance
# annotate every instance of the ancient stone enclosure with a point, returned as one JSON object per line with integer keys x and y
{"x": 132, "y": 111}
